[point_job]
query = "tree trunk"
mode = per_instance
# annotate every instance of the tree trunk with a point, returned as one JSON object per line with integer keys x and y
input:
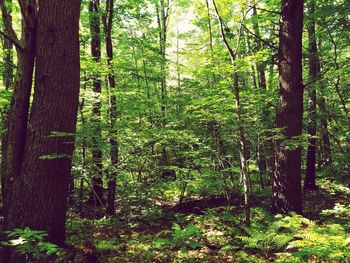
{"x": 326, "y": 144}
{"x": 8, "y": 78}
{"x": 162, "y": 19}
{"x": 97, "y": 194}
{"x": 314, "y": 71}
{"x": 243, "y": 153}
{"x": 262, "y": 149}
{"x": 260, "y": 66}
{"x": 114, "y": 150}
{"x": 46, "y": 167}
{"x": 19, "y": 108}
{"x": 286, "y": 195}
{"x": 83, "y": 157}
{"x": 243, "y": 149}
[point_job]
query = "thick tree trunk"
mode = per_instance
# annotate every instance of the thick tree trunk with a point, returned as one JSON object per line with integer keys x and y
{"x": 314, "y": 71}
{"x": 97, "y": 194}
{"x": 287, "y": 194}
{"x": 46, "y": 167}
{"x": 114, "y": 151}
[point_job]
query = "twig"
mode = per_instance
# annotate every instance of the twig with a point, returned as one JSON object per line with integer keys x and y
{"x": 272, "y": 46}
{"x": 265, "y": 10}
{"x": 319, "y": 76}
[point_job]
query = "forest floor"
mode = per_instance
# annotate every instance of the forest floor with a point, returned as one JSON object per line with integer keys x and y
{"x": 197, "y": 231}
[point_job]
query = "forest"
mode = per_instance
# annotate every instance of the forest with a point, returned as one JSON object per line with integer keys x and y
{"x": 174, "y": 131}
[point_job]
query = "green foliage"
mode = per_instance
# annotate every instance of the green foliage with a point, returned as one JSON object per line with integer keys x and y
{"x": 31, "y": 244}
{"x": 183, "y": 239}
{"x": 324, "y": 243}
{"x": 297, "y": 239}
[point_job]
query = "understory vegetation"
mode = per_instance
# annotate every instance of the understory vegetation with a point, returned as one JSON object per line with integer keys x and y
{"x": 149, "y": 229}
{"x": 174, "y": 131}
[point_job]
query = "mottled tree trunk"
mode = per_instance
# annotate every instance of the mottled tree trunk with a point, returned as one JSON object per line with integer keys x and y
{"x": 162, "y": 8}
{"x": 243, "y": 146}
{"x": 287, "y": 194}
{"x": 114, "y": 150}
{"x": 314, "y": 71}
{"x": 97, "y": 194}
{"x": 162, "y": 18}
{"x": 46, "y": 167}
{"x": 8, "y": 78}
{"x": 19, "y": 108}
{"x": 262, "y": 149}
{"x": 326, "y": 144}
{"x": 260, "y": 66}
{"x": 243, "y": 152}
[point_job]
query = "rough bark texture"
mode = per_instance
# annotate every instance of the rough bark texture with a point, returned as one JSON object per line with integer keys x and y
{"x": 46, "y": 164}
{"x": 287, "y": 178}
{"x": 314, "y": 71}
{"x": 114, "y": 151}
{"x": 97, "y": 194}
{"x": 7, "y": 76}
{"x": 19, "y": 108}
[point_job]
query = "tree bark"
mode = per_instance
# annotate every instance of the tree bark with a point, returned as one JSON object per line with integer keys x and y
{"x": 314, "y": 71}
{"x": 114, "y": 150}
{"x": 97, "y": 194}
{"x": 287, "y": 194}
{"x": 260, "y": 66}
{"x": 8, "y": 78}
{"x": 162, "y": 19}
{"x": 46, "y": 167}
{"x": 19, "y": 107}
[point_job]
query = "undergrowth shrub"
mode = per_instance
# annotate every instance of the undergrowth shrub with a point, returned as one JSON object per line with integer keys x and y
{"x": 293, "y": 238}
{"x": 30, "y": 244}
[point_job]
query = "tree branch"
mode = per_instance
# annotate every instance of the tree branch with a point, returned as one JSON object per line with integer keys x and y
{"x": 9, "y": 33}
{"x": 319, "y": 76}
{"x": 223, "y": 35}
{"x": 233, "y": 54}
{"x": 13, "y": 41}
{"x": 272, "y": 46}
{"x": 265, "y": 10}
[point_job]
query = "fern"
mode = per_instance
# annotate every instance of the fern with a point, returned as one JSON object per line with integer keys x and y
{"x": 293, "y": 238}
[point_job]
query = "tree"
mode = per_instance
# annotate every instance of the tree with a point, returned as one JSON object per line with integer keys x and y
{"x": 18, "y": 111}
{"x": 97, "y": 194}
{"x": 314, "y": 72}
{"x": 163, "y": 9}
{"x": 107, "y": 26}
{"x": 8, "y": 78}
{"x": 286, "y": 194}
{"x": 243, "y": 149}
{"x": 46, "y": 166}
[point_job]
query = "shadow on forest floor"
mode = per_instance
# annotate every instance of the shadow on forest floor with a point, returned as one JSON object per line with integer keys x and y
{"x": 209, "y": 224}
